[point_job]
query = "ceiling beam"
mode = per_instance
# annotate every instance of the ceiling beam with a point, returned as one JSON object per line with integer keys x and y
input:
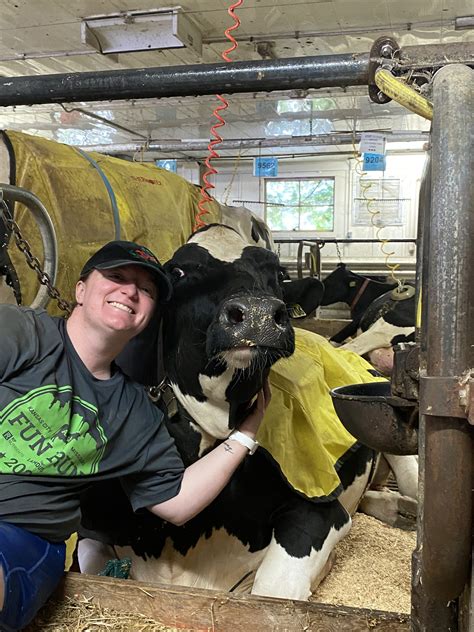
{"x": 250, "y": 143}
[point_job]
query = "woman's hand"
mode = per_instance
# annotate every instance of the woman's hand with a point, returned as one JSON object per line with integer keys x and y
{"x": 252, "y": 422}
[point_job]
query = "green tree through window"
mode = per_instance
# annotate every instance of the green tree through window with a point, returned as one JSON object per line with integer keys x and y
{"x": 300, "y": 203}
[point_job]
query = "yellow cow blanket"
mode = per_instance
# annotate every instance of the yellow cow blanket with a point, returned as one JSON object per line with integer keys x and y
{"x": 155, "y": 207}
{"x": 301, "y": 429}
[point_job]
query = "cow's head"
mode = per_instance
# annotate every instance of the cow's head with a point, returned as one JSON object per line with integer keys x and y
{"x": 337, "y": 285}
{"x": 225, "y": 326}
{"x": 340, "y": 284}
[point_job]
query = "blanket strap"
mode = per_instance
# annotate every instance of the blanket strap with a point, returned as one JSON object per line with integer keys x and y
{"x": 110, "y": 191}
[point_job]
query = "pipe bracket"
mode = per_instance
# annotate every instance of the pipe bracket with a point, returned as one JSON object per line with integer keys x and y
{"x": 383, "y": 48}
{"x": 448, "y": 396}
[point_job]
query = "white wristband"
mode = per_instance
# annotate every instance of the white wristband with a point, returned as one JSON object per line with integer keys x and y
{"x": 245, "y": 440}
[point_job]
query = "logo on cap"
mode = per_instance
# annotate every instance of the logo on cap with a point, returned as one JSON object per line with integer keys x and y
{"x": 143, "y": 253}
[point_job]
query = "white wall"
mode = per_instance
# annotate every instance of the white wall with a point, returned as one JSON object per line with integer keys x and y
{"x": 235, "y": 181}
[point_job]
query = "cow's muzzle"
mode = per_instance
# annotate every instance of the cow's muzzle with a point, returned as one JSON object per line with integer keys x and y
{"x": 244, "y": 322}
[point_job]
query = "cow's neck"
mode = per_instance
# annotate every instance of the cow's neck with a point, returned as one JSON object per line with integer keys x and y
{"x": 191, "y": 440}
{"x": 222, "y": 402}
{"x": 370, "y": 290}
{"x": 211, "y": 413}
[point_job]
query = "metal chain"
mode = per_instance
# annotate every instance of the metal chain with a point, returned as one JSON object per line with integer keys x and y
{"x": 338, "y": 251}
{"x": 33, "y": 261}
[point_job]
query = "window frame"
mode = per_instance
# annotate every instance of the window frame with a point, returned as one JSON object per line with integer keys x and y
{"x": 299, "y": 179}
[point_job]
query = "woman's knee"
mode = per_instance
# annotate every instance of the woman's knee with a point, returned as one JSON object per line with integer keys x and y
{"x": 32, "y": 568}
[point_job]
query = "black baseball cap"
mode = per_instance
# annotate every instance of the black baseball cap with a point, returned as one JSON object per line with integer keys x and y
{"x": 125, "y": 253}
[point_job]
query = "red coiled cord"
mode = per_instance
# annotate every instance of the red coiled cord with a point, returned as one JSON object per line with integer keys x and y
{"x": 205, "y": 197}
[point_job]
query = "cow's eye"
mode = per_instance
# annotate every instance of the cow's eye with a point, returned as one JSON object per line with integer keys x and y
{"x": 281, "y": 276}
{"x": 177, "y": 273}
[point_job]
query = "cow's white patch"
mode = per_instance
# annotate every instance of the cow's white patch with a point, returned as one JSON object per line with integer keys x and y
{"x": 239, "y": 357}
{"x": 212, "y": 415}
{"x": 405, "y": 470}
{"x": 351, "y": 496}
{"x": 217, "y": 563}
{"x": 281, "y": 575}
{"x": 378, "y": 335}
{"x": 221, "y": 242}
{"x": 93, "y": 555}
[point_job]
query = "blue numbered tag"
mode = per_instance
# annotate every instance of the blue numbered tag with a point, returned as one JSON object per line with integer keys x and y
{"x": 265, "y": 167}
{"x": 374, "y": 162}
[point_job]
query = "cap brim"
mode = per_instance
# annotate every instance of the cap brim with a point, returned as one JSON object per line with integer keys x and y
{"x": 164, "y": 284}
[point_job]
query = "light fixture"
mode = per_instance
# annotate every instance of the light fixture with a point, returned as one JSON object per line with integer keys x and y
{"x": 464, "y": 22}
{"x": 133, "y": 31}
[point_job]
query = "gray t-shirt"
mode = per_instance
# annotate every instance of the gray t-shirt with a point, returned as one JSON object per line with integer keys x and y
{"x": 61, "y": 429}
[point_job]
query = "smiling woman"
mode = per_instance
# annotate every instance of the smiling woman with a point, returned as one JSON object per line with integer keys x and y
{"x": 114, "y": 305}
{"x": 73, "y": 418}
{"x": 116, "y": 296}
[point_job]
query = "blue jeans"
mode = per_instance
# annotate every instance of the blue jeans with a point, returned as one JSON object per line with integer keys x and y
{"x": 32, "y": 568}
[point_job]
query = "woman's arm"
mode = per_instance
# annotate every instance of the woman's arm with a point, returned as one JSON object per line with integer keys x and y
{"x": 207, "y": 477}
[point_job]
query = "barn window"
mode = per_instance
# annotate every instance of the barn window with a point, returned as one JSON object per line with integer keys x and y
{"x": 300, "y": 204}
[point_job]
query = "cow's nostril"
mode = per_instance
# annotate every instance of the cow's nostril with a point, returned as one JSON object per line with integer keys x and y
{"x": 281, "y": 316}
{"x": 235, "y": 315}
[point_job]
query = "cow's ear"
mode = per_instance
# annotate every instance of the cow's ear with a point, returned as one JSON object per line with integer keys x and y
{"x": 302, "y": 296}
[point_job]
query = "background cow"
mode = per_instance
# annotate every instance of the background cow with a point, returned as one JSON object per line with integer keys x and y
{"x": 227, "y": 324}
{"x": 357, "y": 291}
{"x": 379, "y": 320}
{"x": 386, "y": 322}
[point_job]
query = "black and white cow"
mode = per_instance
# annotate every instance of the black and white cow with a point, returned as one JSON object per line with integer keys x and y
{"x": 386, "y": 322}
{"x": 379, "y": 320}
{"x": 226, "y": 325}
{"x": 357, "y": 291}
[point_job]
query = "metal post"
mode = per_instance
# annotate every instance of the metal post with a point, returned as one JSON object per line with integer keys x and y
{"x": 446, "y": 456}
{"x": 422, "y": 242}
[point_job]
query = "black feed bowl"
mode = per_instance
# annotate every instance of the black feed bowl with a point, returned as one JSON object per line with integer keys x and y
{"x": 376, "y": 418}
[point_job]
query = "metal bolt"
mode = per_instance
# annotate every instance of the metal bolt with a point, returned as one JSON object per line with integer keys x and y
{"x": 381, "y": 96}
{"x": 386, "y": 50}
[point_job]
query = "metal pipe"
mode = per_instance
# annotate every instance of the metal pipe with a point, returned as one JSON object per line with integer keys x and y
{"x": 435, "y": 55}
{"x": 48, "y": 235}
{"x": 188, "y": 80}
{"x": 105, "y": 121}
{"x": 422, "y": 239}
{"x": 401, "y": 27}
{"x": 340, "y": 241}
{"x": 449, "y": 331}
{"x": 251, "y": 143}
